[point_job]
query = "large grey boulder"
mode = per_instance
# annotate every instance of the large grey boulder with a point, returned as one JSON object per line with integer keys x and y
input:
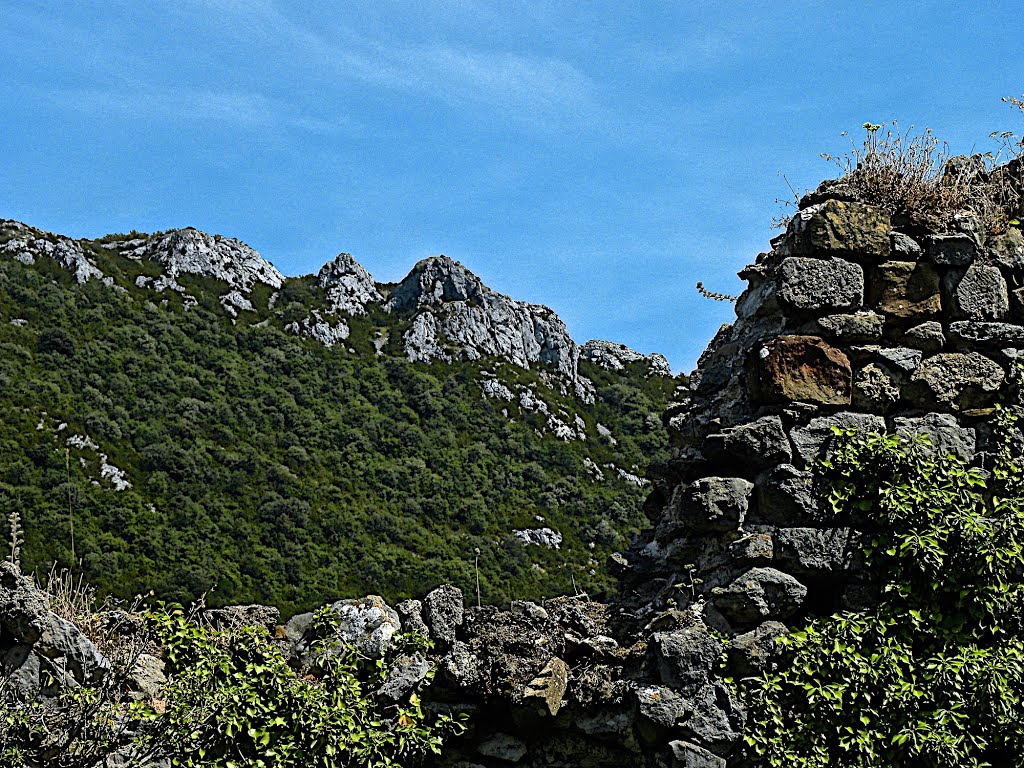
{"x": 811, "y": 550}
{"x": 759, "y": 594}
{"x": 786, "y": 496}
{"x": 713, "y": 503}
{"x": 443, "y": 612}
{"x": 752, "y": 653}
{"x": 685, "y": 657}
{"x": 367, "y": 624}
{"x": 663, "y": 706}
{"x": 973, "y": 333}
{"x": 862, "y": 327}
{"x": 1008, "y": 249}
{"x": 688, "y": 755}
{"x": 955, "y": 250}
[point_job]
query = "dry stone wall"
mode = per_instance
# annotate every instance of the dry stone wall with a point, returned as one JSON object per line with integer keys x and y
{"x": 853, "y": 319}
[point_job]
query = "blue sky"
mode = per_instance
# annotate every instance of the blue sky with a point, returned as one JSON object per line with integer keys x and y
{"x": 600, "y": 158}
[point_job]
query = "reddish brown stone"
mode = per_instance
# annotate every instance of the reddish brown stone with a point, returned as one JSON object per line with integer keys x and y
{"x": 804, "y": 369}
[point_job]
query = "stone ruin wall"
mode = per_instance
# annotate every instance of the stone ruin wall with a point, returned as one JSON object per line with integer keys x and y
{"x": 852, "y": 319}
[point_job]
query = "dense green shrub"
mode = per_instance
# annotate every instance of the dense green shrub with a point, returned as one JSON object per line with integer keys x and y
{"x": 934, "y": 676}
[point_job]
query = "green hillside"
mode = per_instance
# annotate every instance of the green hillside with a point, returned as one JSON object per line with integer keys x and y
{"x": 267, "y": 467}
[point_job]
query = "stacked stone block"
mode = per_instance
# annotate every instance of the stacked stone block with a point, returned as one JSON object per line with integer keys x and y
{"x": 851, "y": 320}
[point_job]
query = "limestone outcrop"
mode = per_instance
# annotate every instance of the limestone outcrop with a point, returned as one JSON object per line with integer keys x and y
{"x": 453, "y": 314}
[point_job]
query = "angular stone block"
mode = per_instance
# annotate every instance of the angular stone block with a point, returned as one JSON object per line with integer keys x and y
{"x": 813, "y": 439}
{"x": 990, "y": 335}
{"x": 945, "y": 432}
{"x": 838, "y": 228}
{"x": 956, "y": 381}
{"x": 875, "y": 388}
{"x": 857, "y": 328}
{"x": 786, "y": 496}
{"x": 980, "y": 293}
{"x": 928, "y": 337}
{"x": 1007, "y": 250}
{"x": 905, "y": 289}
{"x": 820, "y": 284}
{"x": 751, "y": 653}
{"x": 802, "y": 369}
{"x": 952, "y": 250}
{"x": 759, "y": 594}
{"x": 686, "y": 657}
{"x": 687, "y": 755}
{"x": 713, "y": 504}
{"x": 811, "y": 550}
{"x": 904, "y": 247}
{"x": 760, "y": 443}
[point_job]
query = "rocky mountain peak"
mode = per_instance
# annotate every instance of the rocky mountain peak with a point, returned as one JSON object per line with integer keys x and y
{"x": 348, "y": 285}
{"x": 615, "y": 357}
{"x": 456, "y": 315}
{"x": 434, "y": 281}
{"x": 190, "y": 251}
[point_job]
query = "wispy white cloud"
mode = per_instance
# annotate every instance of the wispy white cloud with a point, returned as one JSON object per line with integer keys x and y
{"x": 235, "y": 109}
{"x": 521, "y": 86}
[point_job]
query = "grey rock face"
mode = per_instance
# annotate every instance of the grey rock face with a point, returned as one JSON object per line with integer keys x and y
{"x": 955, "y": 381}
{"x": 944, "y": 431}
{"x": 24, "y": 610}
{"x": 904, "y": 247}
{"x": 979, "y": 294}
{"x": 189, "y": 251}
{"x": 615, "y": 357}
{"x": 829, "y": 284}
{"x": 661, "y": 705}
{"x": 717, "y": 719}
{"x": 952, "y": 250}
{"x": 21, "y": 671}
{"x": 349, "y": 287}
{"x": 147, "y": 677}
{"x": 901, "y": 358}
{"x": 541, "y": 537}
{"x": 456, "y": 313}
{"x": 714, "y": 504}
{"x": 443, "y": 611}
{"x": 28, "y": 245}
{"x": 760, "y": 443}
{"x": 759, "y": 594}
{"x": 368, "y": 624}
{"x": 411, "y": 614}
{"x": 875, "y": 388}
{"x": 812, "y": 440}
{"x": 315, "y": 326}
